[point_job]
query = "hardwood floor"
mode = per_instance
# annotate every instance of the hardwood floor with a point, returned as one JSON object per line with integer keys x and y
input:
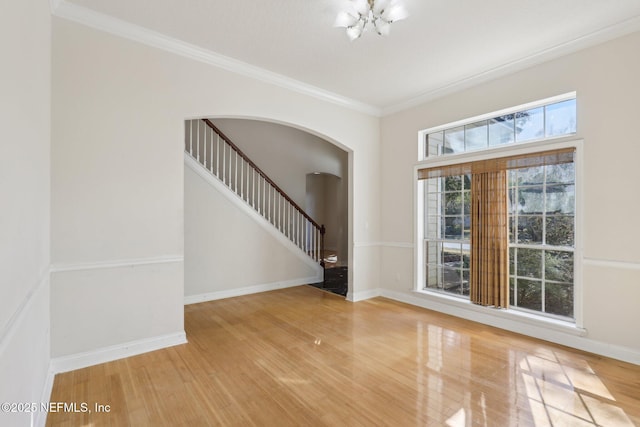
{"x": 302, "y": 356}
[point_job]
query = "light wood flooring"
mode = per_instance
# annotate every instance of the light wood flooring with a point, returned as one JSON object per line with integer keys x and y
{"x": 305, "y": 357}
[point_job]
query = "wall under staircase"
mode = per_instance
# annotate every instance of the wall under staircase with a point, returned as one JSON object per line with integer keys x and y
{"x": 230, "y": 249}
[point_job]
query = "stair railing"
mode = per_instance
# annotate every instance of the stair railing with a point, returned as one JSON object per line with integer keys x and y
{"x": 222, "y": 158}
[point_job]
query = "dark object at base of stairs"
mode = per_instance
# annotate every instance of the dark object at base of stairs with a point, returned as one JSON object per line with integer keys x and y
{"x": 335, "y": 280}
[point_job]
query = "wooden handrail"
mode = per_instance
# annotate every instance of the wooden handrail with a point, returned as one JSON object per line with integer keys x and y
{"x": 264, "y": 176}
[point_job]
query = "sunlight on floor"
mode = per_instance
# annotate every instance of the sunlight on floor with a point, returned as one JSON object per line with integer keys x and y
{"x": 560, "y": 394}
{"x": 458, "y": 419}
{"x": 543, "y": 388}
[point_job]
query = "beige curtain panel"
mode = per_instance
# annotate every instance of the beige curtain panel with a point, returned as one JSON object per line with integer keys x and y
{"x": 489, "y": 239}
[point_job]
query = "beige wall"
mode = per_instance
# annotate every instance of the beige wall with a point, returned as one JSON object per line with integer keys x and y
{"x": 25, "y": 43}
{"x": 326, "y": 203}
{"x": 288, "y": 156}
{"x": 285, "y": 154}
{"x": 117, "y": 175}
{"x": 226, "y": 249}
{"x": 606, "y": 80}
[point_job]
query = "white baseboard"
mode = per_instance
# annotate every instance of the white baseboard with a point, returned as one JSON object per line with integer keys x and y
{"x": 39, "y": 418}
{"x": 363, "y": 295}
{"x": 115, "y": 352}
{"x": 564, "y": 335}
{"x": 230, "y": 293}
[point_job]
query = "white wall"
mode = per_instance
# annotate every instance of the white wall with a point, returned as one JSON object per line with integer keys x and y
{"x": 117, "y": 176}
{"x": 25, "y": 35}
{"x": 606, "y": 80}
{"x": 230, "y": 249}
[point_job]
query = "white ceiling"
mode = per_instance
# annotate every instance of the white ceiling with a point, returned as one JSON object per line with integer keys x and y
{"x": 442, "y": 46}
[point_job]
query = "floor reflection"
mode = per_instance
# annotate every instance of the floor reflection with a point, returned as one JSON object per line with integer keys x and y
{"x": 493, "y": 379}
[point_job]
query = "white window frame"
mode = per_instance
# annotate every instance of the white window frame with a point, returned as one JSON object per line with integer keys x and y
{"x": 516, "y": 149}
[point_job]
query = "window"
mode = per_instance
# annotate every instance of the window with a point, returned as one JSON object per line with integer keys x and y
{"x": 552, "y": 119}
{"x": 498, "y": 227}
{"x": 541, "y": 238}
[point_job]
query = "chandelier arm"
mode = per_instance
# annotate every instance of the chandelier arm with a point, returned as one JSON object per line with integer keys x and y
{"x": 379, "y": 13}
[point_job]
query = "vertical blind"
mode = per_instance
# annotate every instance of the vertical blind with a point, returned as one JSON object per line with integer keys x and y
{"x": 489, "y": 263}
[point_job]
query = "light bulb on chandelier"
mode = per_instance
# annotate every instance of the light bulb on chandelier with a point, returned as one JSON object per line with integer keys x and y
{"x": 364, "y": 14}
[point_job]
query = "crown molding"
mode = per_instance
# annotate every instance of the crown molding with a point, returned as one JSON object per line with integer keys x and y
{"x": 82, "y": 15}
{"x": 609, "y": 33}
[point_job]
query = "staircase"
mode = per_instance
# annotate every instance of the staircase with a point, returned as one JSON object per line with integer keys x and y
{"x": 215, "y": 152}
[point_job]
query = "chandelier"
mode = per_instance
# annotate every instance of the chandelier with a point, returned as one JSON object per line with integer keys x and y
{"x": 364, "y": 14}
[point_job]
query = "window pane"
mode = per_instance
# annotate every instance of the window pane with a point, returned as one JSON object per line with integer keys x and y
{"x": 466, "y": 258}
{"x": 513, "y": 202}
{"x": 530, "y": 294}
{"x": 561, "y": 199}
{"x": 530, "y": 176}
{"x": 512, "y": 229}
{"x": 465, "y": 282}
{"x": 453, "y": 183}
{"x": 501, "y": 130}
{"x": 476, "y": 136}
{"x": 530, "y": 124}
{"x": 561, "y": 174}
{"x": 560, "y": 230}
{"x": 512, "y": 292}
{"x": 452, "y": 255}
{"x": 432, "y": 225}
{"x": 529, "y": 263}
{"x": 467, "y": 202}
{"x": 467, "y": 227}
{"x": 558, "y": 299}
{"x": 467, "y": 181}
{"x": 453, "y": 227}
{"x": 434, "y": 144}
{"x": 530, "y": 200}
{"x": 512, "y": 176}
{"x": 561, "y": 118}
{"x": 512, "y": 260}
{"x": 530, "y": 229}
{"x": 558, "y": 266}
{"x": 452, "y": 280}
{"x": 454, "y": 140}
{"x": 453, "y": 203}
{"x": 432, "y": 200}
{"x": 431, "y": 252}
{"x": 434, "y": 276}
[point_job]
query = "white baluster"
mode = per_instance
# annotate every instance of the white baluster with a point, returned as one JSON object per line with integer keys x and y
{"x": 253, "y": 188}
{"x": 224, "y": 162}
{"x": 289, "y": 219}
{"x": 204, "y": 154}
{"x": 217, "y": 155}
{"x": 211, "y": 153}
{"x": 198, "y": 143}
{"x": 191, "y": 138}
{"x": 242, "y": 178}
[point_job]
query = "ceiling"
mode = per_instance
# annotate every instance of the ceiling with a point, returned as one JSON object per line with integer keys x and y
{"x": 443, "y": 46}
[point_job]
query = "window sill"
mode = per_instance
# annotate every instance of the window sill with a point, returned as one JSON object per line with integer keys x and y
{"x": 461, "y": 307}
